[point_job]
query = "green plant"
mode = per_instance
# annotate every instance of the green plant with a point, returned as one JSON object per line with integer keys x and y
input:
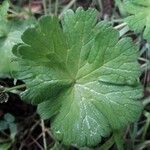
{"x": 10, "y": 34}
{"x": 81, "y": 75}
{"x": 8, "y": 123}
{"x": 140, "y": 19}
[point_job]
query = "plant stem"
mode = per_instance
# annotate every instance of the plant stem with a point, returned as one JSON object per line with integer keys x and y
{"x": 120, "y": 7}
{"x": 146, "y": 101}
{"x": 108, "y": 144}
{"x": 56, "y": 7}
{"x": 100, "y": 5}
{"x": 13, "y": 12}
{"x": 44, "y": 6}
{"x": 50, "y": 7}
{"x": 123, "y": 31}
{"x": 30, "y": 10}
{"x": 67, "y": 7}
{"x": 120, "y": 25}
{"x": 146, "y": 126}
{"x": 14, "y": 88}
{"x": 118, "y": 139}
{"x": 43, "y": 133}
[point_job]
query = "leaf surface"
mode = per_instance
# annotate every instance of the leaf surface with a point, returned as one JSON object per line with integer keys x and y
{"x": 10, "y": 34}
{"x": 140, "y": 16}
{"x": 81, "y": 75}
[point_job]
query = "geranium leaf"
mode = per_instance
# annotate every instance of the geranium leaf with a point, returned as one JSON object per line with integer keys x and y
{"x": 140, "y": 16}
{"x": 81, "y": 75}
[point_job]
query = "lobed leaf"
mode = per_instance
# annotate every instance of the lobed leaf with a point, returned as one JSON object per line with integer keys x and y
{"x": 140, "y": 16}
{"x": 82, "y": 75}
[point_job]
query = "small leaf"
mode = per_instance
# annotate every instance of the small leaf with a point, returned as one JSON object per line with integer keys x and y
{"x": 81, "y": 75}
{"x": 9, "y": 118}
{"x": 140, "y": 16}
{"x": 3, "y": 125}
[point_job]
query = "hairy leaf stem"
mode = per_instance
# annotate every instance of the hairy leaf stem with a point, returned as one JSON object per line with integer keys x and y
{"x": 9, "y": 89}
{"x": 120, "y": 25}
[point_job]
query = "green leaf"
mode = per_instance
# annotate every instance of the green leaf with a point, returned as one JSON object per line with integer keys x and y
{"x": 3, "y": 125}
{"x": 9, "y": 118}
{"x": 10, "y": 34}
{"x": 3, "y": 17}
{"x": 81, "y": 75}
{"x": 5, "y": 146}
{"x": 140, "y": 16}
{"x": 4, "y": 9}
